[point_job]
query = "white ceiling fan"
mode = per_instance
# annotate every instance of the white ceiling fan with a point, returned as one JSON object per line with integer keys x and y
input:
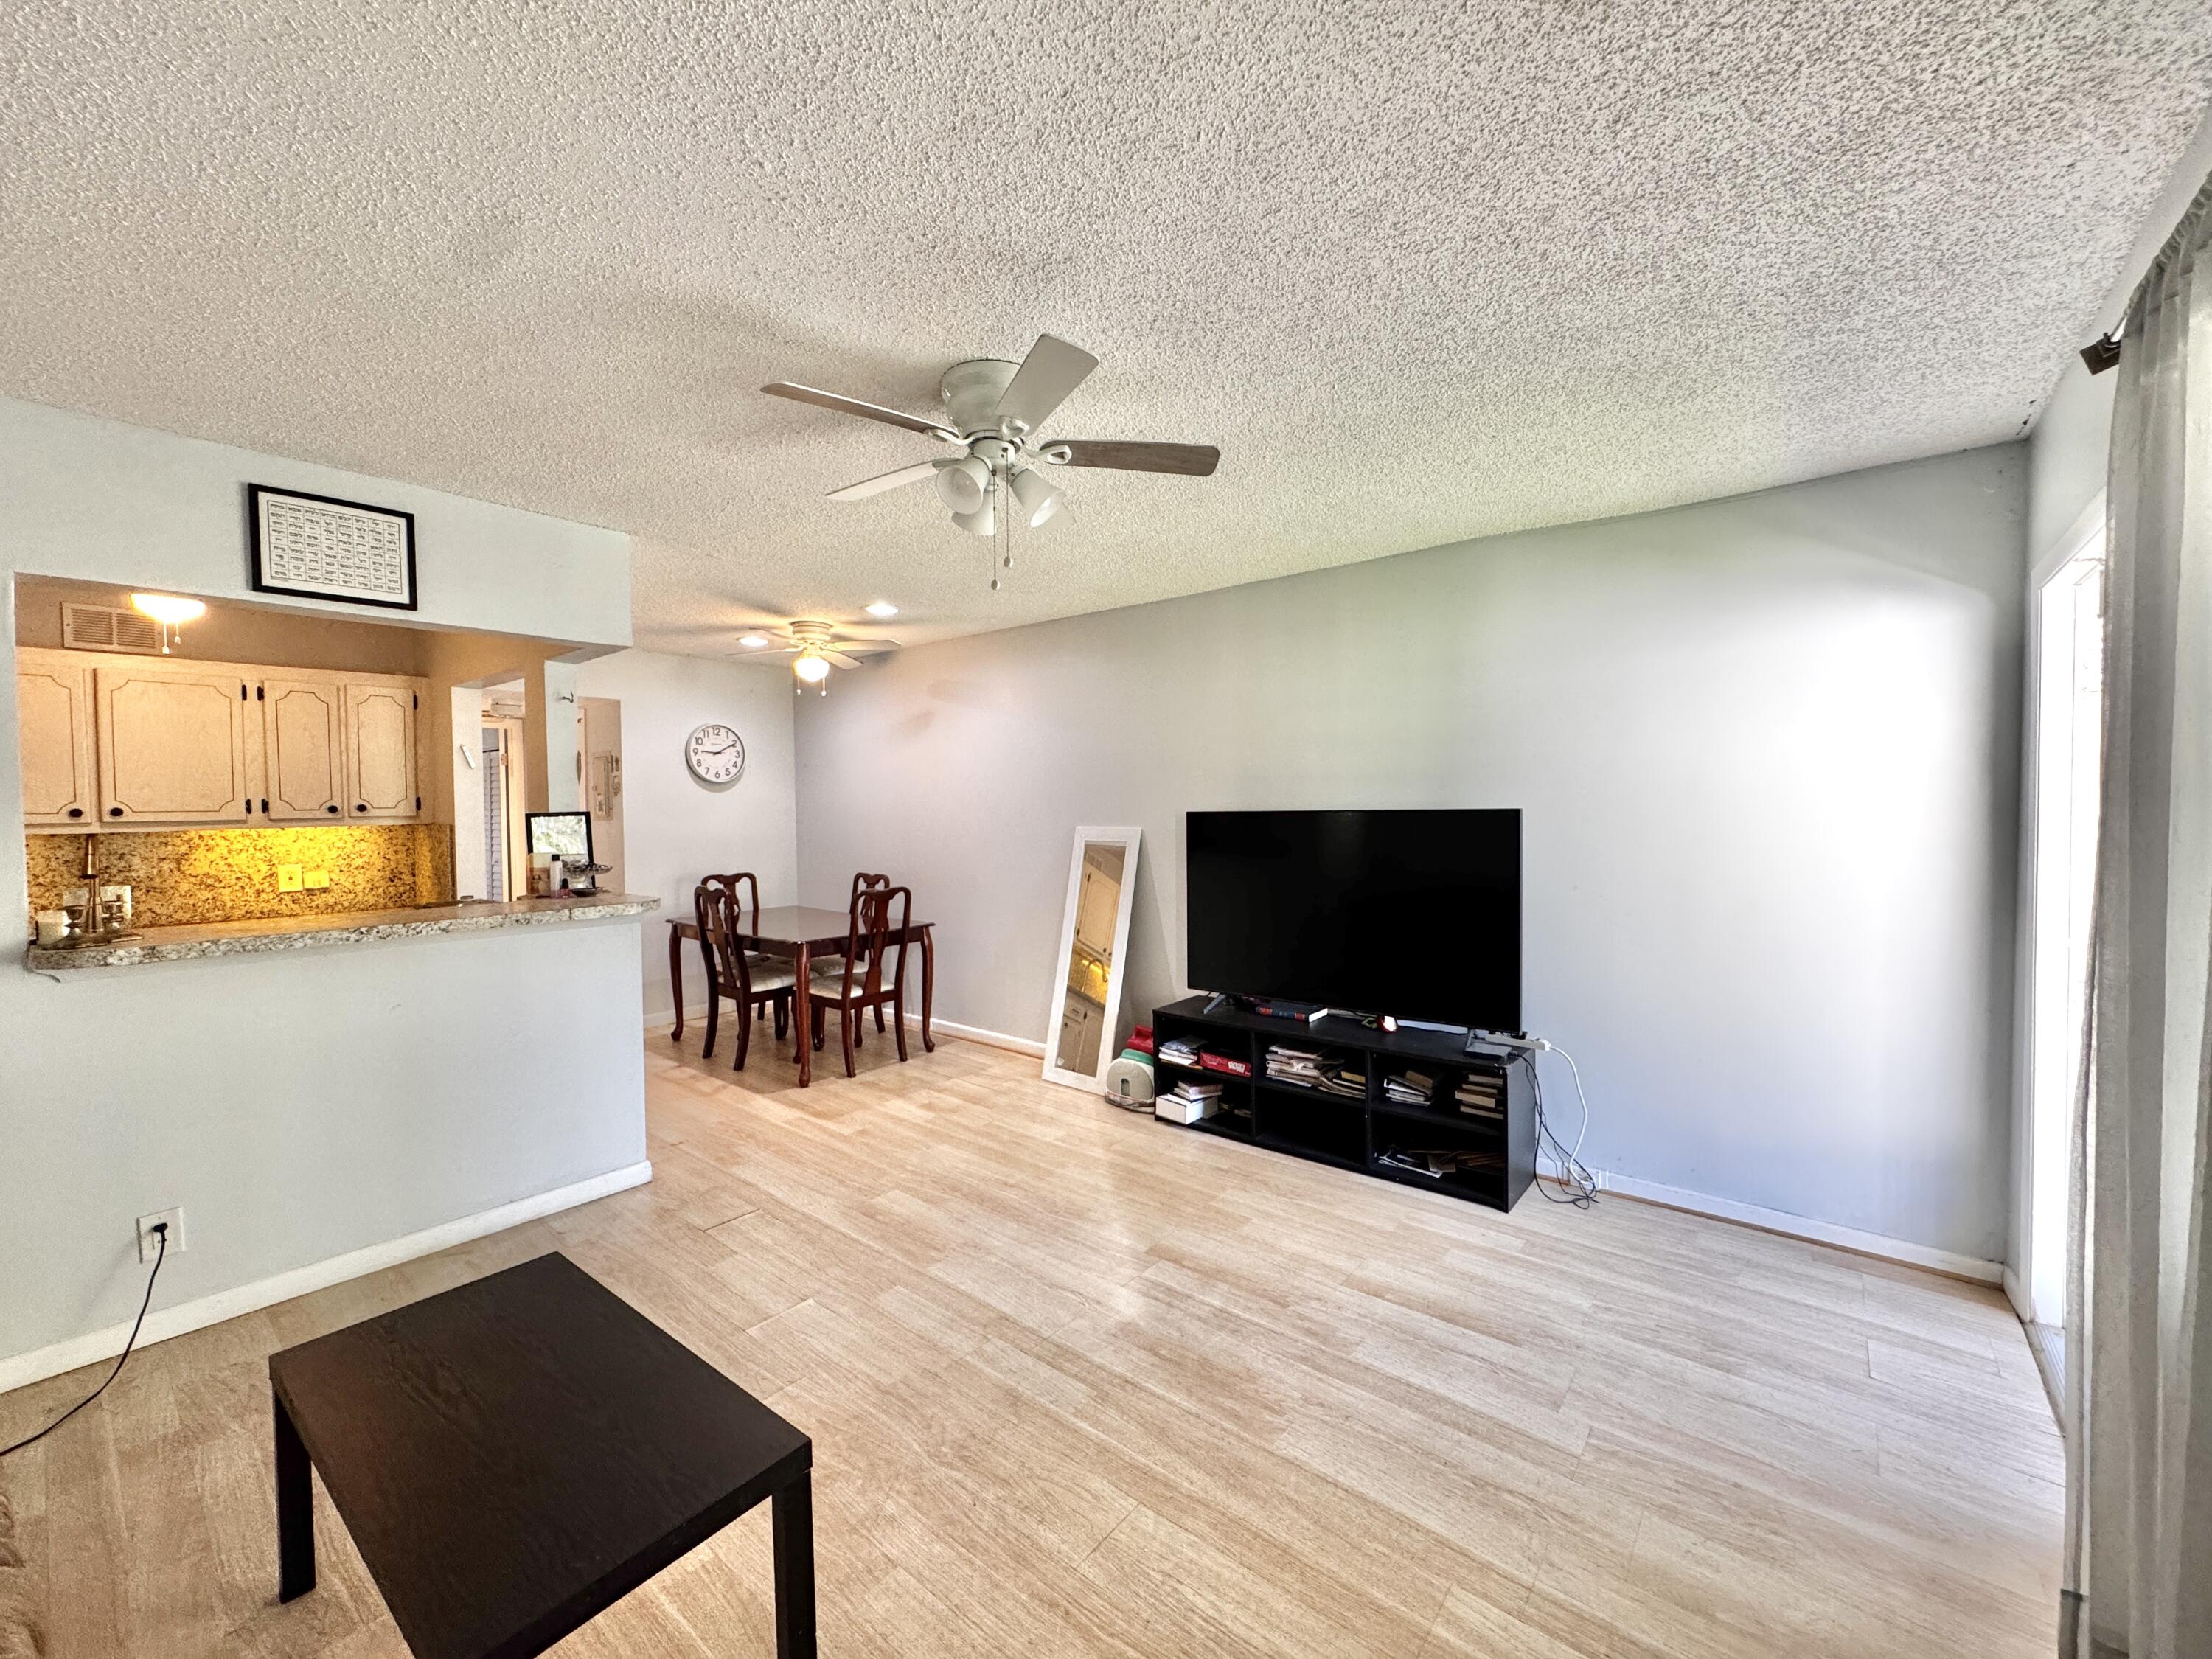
{"x": 993, "y": 409}
{"x": 814, "y": 647}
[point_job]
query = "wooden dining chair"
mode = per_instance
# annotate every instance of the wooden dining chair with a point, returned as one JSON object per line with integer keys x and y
{"x": 747, "y": 980}
{"x": 858, "y": 983}
{"x": 862, "y": 881}
{"x": 738, "y": 885}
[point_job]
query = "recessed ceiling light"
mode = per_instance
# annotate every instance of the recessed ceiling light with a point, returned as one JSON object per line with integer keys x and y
{"x": 752, "y": 641}
{"x": 884, "y": 610}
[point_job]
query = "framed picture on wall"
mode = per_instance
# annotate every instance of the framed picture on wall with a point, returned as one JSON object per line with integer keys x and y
{"x": 317, "y": 547}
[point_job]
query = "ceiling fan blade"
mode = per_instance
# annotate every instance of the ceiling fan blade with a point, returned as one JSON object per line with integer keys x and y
{"x": 1190, "y": 460}
{"x": 807, "y": 394}
{"x": 1052, "y": 370}
{"x": 877, "y": 485}
{"x": 841, "y": 659}
{"x": 867, "y": 647}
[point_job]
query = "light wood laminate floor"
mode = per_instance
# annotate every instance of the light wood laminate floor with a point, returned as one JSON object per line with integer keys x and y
{"x": 1080, "y": 1383}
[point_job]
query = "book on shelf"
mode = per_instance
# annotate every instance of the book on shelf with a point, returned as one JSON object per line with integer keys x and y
{"x": 1410, "y": 1089}
{"x": 1226, "y": 1065}
{"x": 1304, "y": 1016}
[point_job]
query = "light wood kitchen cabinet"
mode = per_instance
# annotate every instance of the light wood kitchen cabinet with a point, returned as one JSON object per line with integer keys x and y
{"x": 171, "y": 742}
{"x": 303, "y": 748}
{"x": 127, "y": 743}
{"x": 380, "y": 752}
{"x": 53, "y": 711}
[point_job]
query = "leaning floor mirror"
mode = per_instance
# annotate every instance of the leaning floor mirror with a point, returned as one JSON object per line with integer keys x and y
{"x": 1086, "y": 1011}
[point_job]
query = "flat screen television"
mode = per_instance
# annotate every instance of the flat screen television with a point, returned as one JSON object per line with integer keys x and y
{"x": 1413, "y": 914}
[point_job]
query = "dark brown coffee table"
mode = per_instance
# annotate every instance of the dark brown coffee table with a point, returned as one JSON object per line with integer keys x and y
{"x": 517, "y": 1455}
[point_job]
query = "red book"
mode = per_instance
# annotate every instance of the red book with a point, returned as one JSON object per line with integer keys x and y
{"x": 1213, "y": 1062}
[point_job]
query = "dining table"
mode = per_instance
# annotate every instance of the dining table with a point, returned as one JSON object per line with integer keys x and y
{"x": 797, "y": 933}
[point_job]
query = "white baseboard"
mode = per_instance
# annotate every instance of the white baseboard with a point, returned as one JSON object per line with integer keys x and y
{"x": 660, "y": 1022}
{"x": 977, "y": 1034}
{"x": 165, "y": 1323}
{"x": 1805, "y": 1227}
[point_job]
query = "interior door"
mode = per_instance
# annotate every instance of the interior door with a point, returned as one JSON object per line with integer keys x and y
{"x": 53, "y": 712}
{"x": 302, "y": 728}
{"x": 380, "y": 746}
{"x": 171, "y": 745}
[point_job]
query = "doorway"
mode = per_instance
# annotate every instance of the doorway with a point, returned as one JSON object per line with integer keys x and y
{"x": 506, "y": 867}
{"x": 2066, "y": 771}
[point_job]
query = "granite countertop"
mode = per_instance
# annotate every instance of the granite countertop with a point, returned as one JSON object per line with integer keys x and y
{"x": 225, "y": 938}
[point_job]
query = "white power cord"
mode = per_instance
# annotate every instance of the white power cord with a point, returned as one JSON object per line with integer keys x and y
{"x": 1567, "y": 1160}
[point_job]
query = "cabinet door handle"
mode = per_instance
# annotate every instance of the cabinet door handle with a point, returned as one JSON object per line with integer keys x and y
{"x": 115, "y": 812}
{"x": 360, "y": 807}
{"x": 332, "y": 807}
{"x": 76, "y": 811}
{"x": 265, "y": 803}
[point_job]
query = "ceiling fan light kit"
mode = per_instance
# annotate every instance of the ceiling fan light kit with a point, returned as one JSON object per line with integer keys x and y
{"x": 963, "y": 484}
{"x": 1039, "y": 500}
{"x": 993, "y": 409}
{"x": 814, "y": 647}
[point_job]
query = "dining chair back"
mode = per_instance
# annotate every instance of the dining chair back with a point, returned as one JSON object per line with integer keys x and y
{"x": 719, "y": 908}
{"x": 877, "y": 927}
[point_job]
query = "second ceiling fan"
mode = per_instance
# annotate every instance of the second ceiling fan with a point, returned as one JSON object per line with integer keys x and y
{"x": 993, "y": 410}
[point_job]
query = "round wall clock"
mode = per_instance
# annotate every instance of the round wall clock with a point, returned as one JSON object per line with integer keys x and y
{"x": 715, "y": 754}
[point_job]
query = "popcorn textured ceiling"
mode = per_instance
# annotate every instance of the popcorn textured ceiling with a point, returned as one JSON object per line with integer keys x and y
{"x": 1422, "y": 271}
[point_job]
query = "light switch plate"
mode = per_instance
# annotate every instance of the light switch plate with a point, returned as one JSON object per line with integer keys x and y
{"x": 287, "y": 877}
{"x": 318, "y": 880}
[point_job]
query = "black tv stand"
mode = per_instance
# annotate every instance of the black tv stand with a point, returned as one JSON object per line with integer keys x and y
{"x": 1358, "y": 1135}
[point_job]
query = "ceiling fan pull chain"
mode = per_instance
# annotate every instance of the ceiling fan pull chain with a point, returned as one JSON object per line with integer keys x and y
{"x": 1003, "y": 529}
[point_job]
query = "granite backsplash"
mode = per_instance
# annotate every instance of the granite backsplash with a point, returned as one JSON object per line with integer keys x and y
{"x": 180, "y": 877}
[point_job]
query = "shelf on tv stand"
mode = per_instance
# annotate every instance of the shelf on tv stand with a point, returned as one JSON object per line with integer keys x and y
{"x": 1305, "y": 1126}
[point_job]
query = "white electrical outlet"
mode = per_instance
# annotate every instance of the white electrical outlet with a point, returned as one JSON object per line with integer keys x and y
{"x": 149, "y": 1244}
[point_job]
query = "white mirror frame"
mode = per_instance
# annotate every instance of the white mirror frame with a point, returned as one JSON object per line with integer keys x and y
{"x": 1127, "y": 837}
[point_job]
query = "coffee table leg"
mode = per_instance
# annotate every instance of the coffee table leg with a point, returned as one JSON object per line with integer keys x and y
{"x": 295, "y": 1511}
{"x": 792, "y": 1510}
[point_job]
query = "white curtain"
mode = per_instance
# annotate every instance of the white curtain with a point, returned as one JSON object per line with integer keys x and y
{"x": 2139, "y": 1384}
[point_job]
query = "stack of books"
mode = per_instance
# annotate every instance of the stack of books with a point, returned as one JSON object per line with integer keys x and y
{"x": 1342, "y": 1078}
{"x": 1189, "y": 1101}
{"x": 1438, "y": 1164}
{"x": 1481, "y": 1094}
{"x": 1286, "y": 1065}
{"x": 1411, "y": 1089}
{"x": 1176, "y": 1051}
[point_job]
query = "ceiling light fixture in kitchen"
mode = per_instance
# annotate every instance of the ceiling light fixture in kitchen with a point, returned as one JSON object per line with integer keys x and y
{"x": 172, "y": 611}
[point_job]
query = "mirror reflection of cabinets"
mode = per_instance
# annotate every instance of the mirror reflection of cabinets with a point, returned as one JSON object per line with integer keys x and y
{"x": 121, "y": 742}
{"x": 1087, "y": 983}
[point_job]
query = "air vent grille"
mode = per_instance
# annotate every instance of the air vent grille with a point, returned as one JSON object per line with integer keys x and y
{"x": 99, "y": 628}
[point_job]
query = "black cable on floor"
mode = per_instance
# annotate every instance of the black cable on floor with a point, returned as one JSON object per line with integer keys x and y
{"x": 161, "y": 1251}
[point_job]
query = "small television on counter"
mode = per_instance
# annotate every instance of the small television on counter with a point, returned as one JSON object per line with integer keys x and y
{"x": 1414, "y": 914}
